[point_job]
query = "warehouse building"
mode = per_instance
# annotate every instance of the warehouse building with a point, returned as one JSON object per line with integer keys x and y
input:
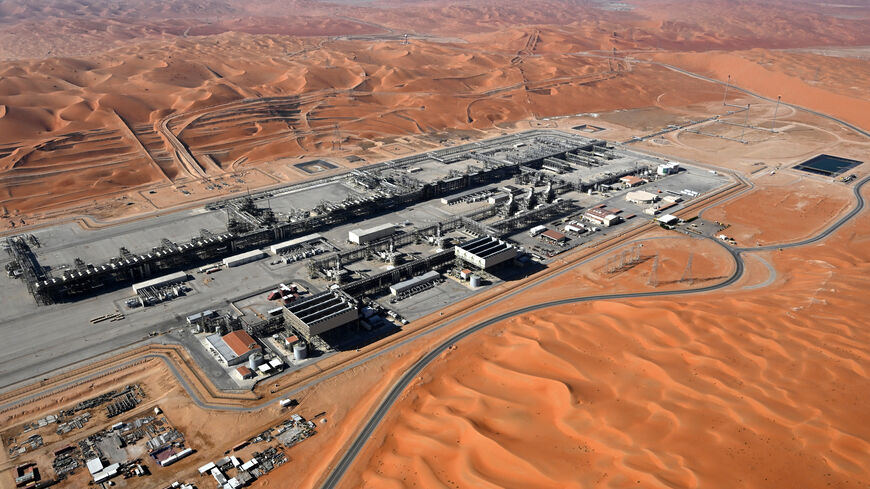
{"x": 632, "y": 181}
{"x": 365, "y": 236}
{"x": 641, "y": 197}
{"x": 237, "y": 260}
{"x": 486, "y": 252}
{"x": 498, "y": 198}
{"x": 287, "y": 245}
{"x": 554, "y": 237}
{"x": 171, "y": 279}
{"x": 245, "y": 372}
{"x": 321, "y": 313}
{"x": 669, "y": 219}
{"x": 602, "y": 216}
{"x": 235, "y": 347}
{"x": 411, "y": 284}
{"x": 668, "y": 168}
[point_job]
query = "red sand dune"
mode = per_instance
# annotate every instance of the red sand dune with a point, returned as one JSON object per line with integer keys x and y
{"x": 125, "y": 66}
{"x": 828, "y": 84}
{"x": 729, "y": 389}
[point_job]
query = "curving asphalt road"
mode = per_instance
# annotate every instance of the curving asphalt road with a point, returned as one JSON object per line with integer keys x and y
{"x": 762, "y": 97}
{"x": 859, "y": 206}
{"x": 359, "y": 442}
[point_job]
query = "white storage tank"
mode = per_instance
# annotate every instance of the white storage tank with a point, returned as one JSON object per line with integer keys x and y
{"x": 255, "y": 360}
{"x": 475, "y": 281}
{"x": 299, "y": 351}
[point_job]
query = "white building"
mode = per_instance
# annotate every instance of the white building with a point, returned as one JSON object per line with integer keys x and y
{"x": 321, "y": 313}
{"x": 365, "y": 236}
{"x": 641, "y": 197}
{"x": 668, "y": 219}
{"x": 602, "y": 216}
{"x": 409, "y": 284}
{"x": 486, "y": 252}
{"x": 171, "y": 279}
{"x": 668, "y": 168}
{"x": 241, "y": 259}
{"x": 278, "y": 248}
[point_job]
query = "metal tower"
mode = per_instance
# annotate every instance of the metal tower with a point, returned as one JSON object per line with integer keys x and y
{"x": 654, "y": 273}
{"x": 773, "y": 125}
{"x": 687, "y": 273}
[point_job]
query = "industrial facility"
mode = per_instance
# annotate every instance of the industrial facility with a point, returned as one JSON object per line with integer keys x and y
{"x": 366, "y": 236}
{"x": 486, "y": 252}
{"x": 366, "y": 251}
{"x": 321, "y": 313}
{"x": 235, "y": 347}
{"x": 251, "y": 227}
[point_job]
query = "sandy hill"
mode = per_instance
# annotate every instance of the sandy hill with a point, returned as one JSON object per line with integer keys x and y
{"x": 89, "y": 102}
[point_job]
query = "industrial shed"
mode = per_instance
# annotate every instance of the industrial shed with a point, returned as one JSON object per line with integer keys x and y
{"x": 554, "y": 236}
{"x": 253, "y": 255}
{"x": 321, "y": 313}
{"x": 486, "y": 252}
{"x": 602, "y": 216}
{"x": 286, "y": 245}
{"x": 365, "y": 236}
{"x": 235, "y": 347}
{"x": 171, "y": 279}
{"x": 409, "y": 284}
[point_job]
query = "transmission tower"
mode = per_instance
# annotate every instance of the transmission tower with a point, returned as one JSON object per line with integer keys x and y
{"x": 773, "y": 125}
{"x": 635, "y": 253}
{"x": 725, "y": 98}
{"x": 336, "y": 143}
{"x": 687, "y": 273}
{"x": 654, "y": 273}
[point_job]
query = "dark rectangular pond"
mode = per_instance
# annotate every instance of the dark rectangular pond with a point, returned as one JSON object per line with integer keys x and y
{"x": 827, "y": 165}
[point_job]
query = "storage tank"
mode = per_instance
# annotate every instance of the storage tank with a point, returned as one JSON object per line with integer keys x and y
{"x": 475, "y": 281}
{"x": 299, "y": 351}
{"x": 255, "y": 360}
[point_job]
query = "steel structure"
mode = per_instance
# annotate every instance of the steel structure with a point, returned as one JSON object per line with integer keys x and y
{"x": 250, "y": 226}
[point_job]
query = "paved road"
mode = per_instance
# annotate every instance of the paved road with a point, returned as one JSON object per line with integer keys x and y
{"x": 359, "y": 442}
{"x": 762, "y": 97}
{"x": 859, "y": 206}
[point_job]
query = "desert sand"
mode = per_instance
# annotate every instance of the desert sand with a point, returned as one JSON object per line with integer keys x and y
{"x": 88, "y": 106}
{"x": 727, "y": 389}
{"x": 759, "y": 385}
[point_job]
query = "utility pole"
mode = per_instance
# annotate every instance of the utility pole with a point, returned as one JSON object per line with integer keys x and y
{"x": 337, "y": 140}
{"x": 725, "y": 98}
{"x": 773, "y": 126}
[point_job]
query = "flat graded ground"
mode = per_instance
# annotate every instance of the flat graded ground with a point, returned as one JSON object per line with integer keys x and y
{"x": 784, "y": 207}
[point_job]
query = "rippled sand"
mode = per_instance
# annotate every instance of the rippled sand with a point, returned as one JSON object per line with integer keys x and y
{"x": 740, "y": 388}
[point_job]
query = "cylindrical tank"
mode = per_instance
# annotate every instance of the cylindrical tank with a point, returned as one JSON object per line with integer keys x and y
{"x": 475, "y": 281}
{"x": 255, "y": 360}
{"x": 299, "y": 351}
